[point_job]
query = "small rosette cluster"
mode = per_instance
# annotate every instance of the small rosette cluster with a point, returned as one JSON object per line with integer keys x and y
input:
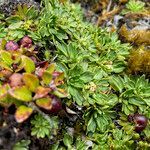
{"x": 25, "y": 79}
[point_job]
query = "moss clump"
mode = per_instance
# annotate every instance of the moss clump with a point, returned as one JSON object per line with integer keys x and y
{"x": 139, "y": 61}
{"x": 136, "y": 36}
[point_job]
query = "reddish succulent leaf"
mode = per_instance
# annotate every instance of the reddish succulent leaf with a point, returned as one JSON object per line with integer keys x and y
{"x": 59, "y": 79}
{"x": 5, "y": 73}
{"x": 31, "y": 81}
{"x": 39, "y": 72}
{"x": 61, "y": 93}
{"x": 21, "y": 93}
{"x": 16, "y": 80}
{"x": 23, "y": 113}
{"x": 51, "y": 68}
{"x": 34, "y": 58}
{"x": 46, "y": 77}
{"x": 44, "y": 103}
{"x": 56, "y": 74}
{"x": 12, "y": 46}
{"x": 42, "y": 64}
{"x": 41, "y": 92}
{"x": 26, "y": 41}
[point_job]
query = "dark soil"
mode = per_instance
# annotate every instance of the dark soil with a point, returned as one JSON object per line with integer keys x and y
{"x": 12, "y": 132}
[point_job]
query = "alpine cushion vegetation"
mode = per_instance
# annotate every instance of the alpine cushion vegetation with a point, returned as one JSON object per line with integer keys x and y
{"x": 112, "y": 107}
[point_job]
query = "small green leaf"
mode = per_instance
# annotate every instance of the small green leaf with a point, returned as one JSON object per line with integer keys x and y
{"x": 147, "y": 101}
{"x": 118, "y": 67}
{"x": 77, "y": 96}
{"x": 4, "y": 100}
{"x": 47, "y": 77}
{"x": 117, "y": 83}
{"x": 20, "y": 12}
{"x": 31, "y": 81}
{"x": 22, "y": 145}
{"x": 3, "y": 90}
{"x": 102, "y": 122}
{"x": 31, "y": 13}
{"x": 2, "y": 44}
{"x": 12, "y": 19}
{"x": 44, "y": 103}
{"x": 15, "y": 25}
{"x": 23, "y": 113}
{"x": 21, "y": 93}
{"x": 58, "y": 80}
{"x": 91, "y": 126}
{"x": 76, "y": 82}
{"x": 51, "y": 68}
{"x": 41, "y": 127}
{"x": 61, "y": 93}
{"x": 68, "y": 140}
{"x": 126, "y": 109}
{"x": 6, "y": 58}
{"x": 27, "y": 64}
{"x": 86, "y": 77}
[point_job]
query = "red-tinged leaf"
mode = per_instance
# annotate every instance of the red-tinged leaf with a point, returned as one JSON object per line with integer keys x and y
{"x": 5, "y": 73}
{"x": 56, "y": 74}
{"x": 39, "y": 72}
{"x": 59, "y": 79}
{"x": 15, "y": 80}
{"x": 46, "y": 77}
{"x": 31, "y": 81}
{"x": 51, "y": 68}
{"x": 61, "y": 93}
{"x": 23, "y": 113}
{"x": 21, "y": 93}
{"x": 42, "y": 64}
{"x": 44, "y": 103}
{"x": 41, "y": 92}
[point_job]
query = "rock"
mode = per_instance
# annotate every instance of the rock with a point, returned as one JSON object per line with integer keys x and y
{"x": 8, "y": 6}
{"x": 136, "y": 29}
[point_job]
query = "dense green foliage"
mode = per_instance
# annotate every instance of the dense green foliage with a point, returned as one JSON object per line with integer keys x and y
{"x": 94, "y": 63}
{"x": 135, "y": 6}
{"x": 22, "y": 145}
{"x": 42, "y": 127}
